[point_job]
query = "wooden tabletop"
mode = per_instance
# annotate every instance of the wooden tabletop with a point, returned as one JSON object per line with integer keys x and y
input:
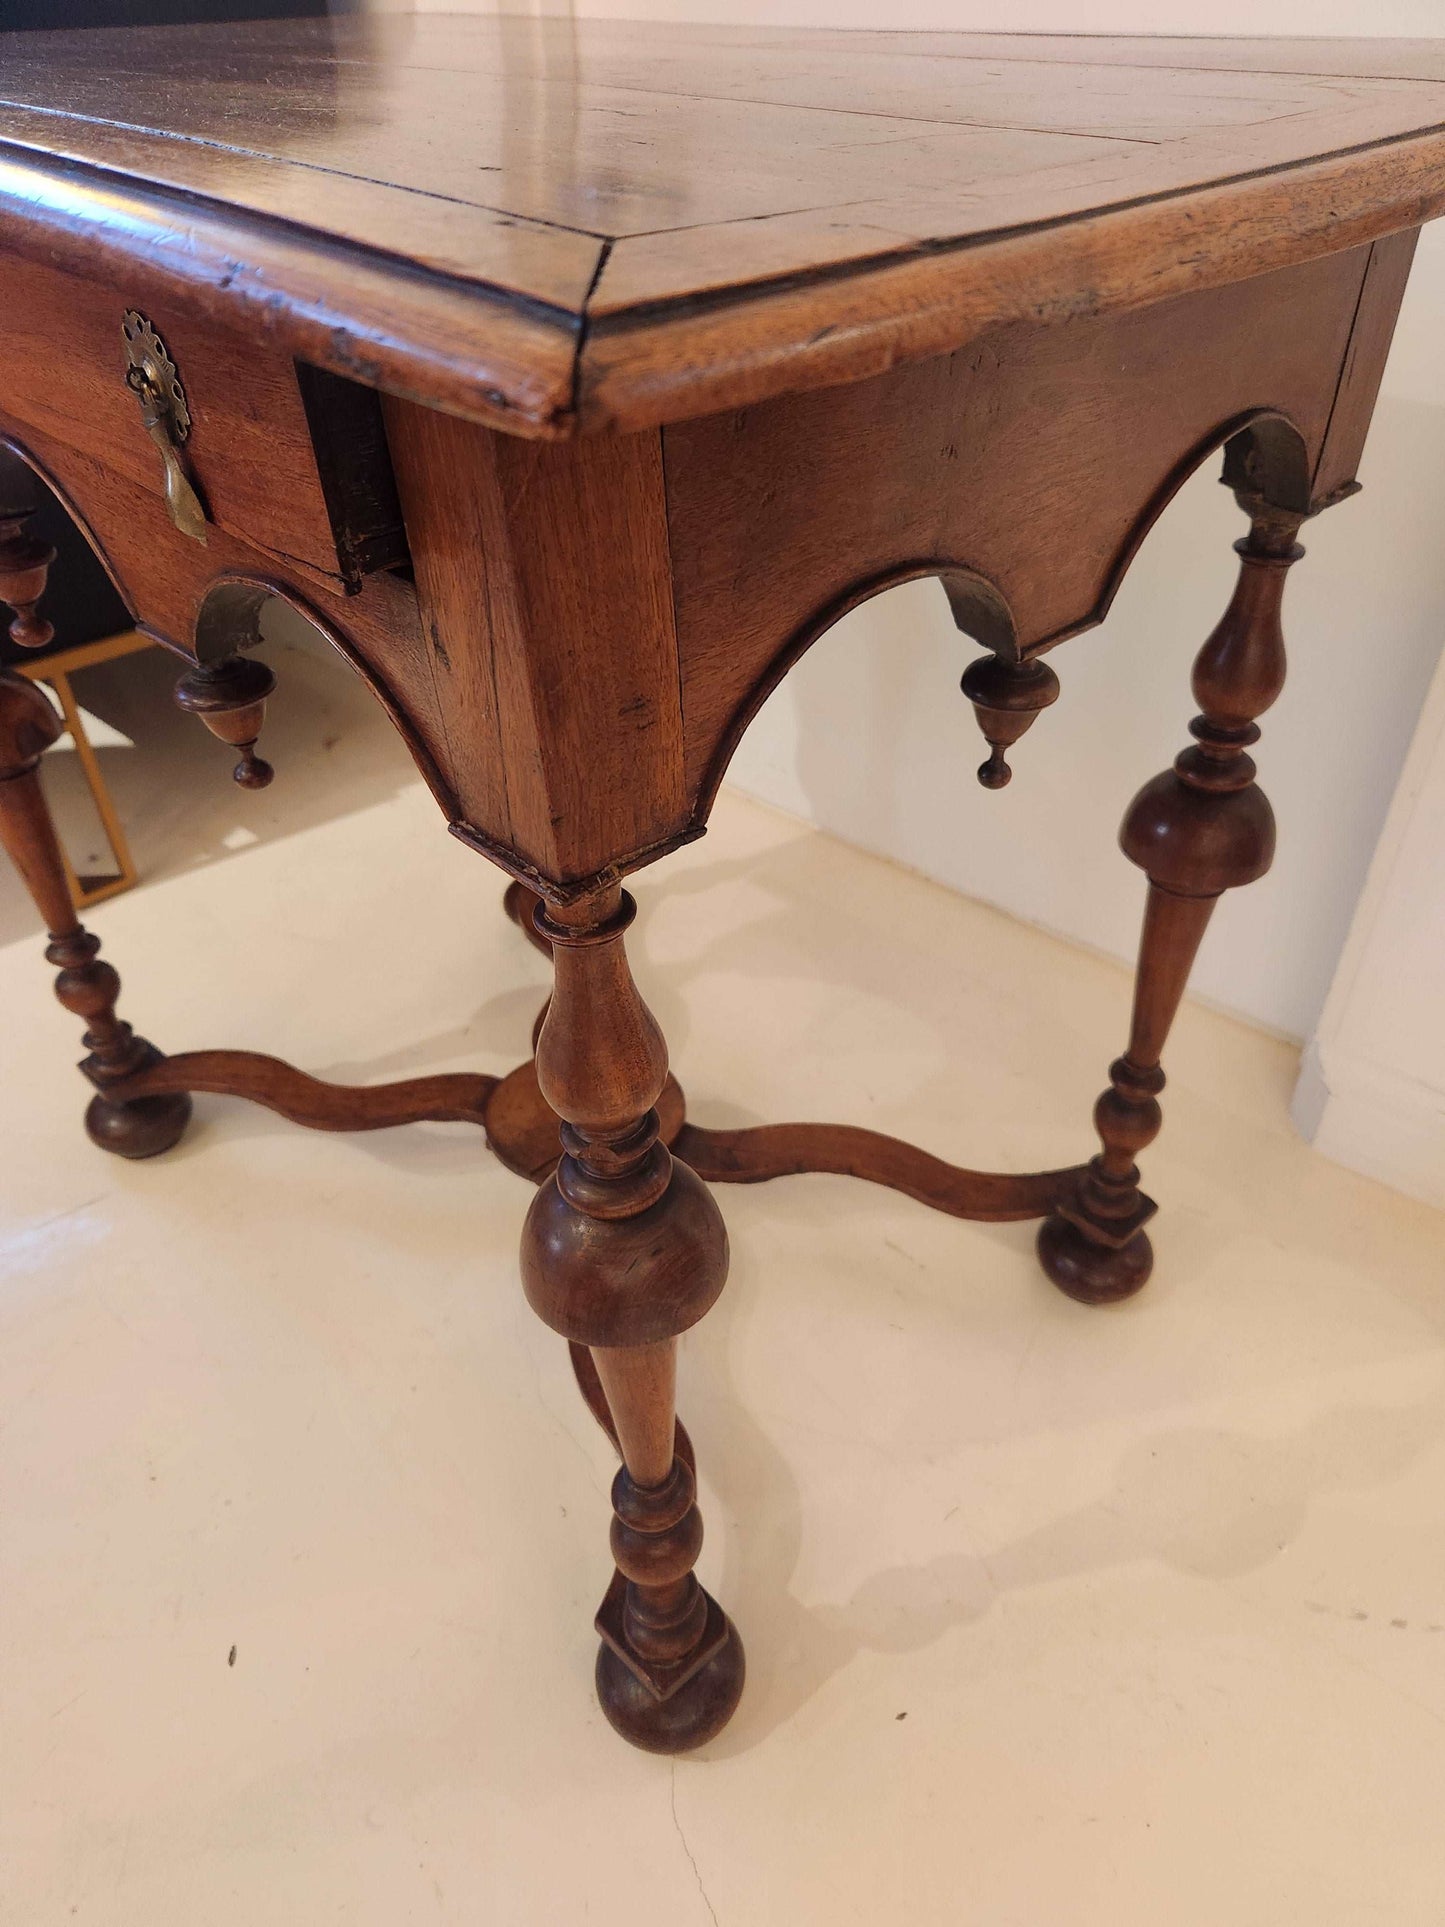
{"x": 553, "y": 225}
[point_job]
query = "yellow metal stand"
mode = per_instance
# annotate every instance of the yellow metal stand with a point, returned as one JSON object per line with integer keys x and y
{"x": 57, "y": 670}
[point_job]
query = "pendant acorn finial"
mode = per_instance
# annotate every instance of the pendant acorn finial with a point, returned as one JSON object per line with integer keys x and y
{"x": 24, "y": 559}
{"x": 1006, "y": 697}
{"x": 230, "y": 698}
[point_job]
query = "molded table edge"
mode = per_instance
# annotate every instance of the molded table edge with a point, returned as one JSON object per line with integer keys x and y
{"x": 542, "y": 373}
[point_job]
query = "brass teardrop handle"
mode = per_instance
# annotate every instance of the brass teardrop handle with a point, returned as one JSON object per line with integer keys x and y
{"x": 165, "y": 414}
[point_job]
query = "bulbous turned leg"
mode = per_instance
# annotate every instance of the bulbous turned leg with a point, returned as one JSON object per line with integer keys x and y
{"x": 1200, "y": 829}
{"x": 229, "y": 696}
{"x": 28, "y": 726}
{"x": 85, "y": 985}
{"x": 670, "y": 1667}
{"x": 623, "y": 1250}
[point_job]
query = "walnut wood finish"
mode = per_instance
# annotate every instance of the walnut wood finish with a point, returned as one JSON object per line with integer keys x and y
{"x": 205, "y": 601}
{"x": 1006, "y": 697}
{"x": 565, "y": 730}
{"x": 697, "y": 218}
{"x": 1200, "y": 829}
{"x": 786, "y": 1150}
{"x": 230, "y": 696}
{"x": 670, "y": 1667}
{"x": 449, "y": 1097}
{"x": 1024, "y": 472}
{"x": 584, "y": 1370}
{"x": 594, "y": 623}
{"x": 572, "y": 442}
{"x": 521, "y": 1129}
{"x": 656, "y": 1532}
{"x": 249, "y": 450}
{"x": 86, "y": 986}
{"x": 24, "y": 559}
{"x": 623, "y": 1250}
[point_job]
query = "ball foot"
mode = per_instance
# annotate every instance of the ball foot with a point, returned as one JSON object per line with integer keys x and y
{"x": 143, "y": 1128}
{"x": 252, "y": 772}
{"x": 1094, "y": 1274}
{"x": 689, "y": 1717}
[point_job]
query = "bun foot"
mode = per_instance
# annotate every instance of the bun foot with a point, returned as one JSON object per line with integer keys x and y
{"x": 690, "y": 1716}
{"x": 143, "y": 1128}
{"x": 1093, "y": 1274}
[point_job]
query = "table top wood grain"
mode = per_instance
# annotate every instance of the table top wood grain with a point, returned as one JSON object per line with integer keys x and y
{"x": 555, "y": 225}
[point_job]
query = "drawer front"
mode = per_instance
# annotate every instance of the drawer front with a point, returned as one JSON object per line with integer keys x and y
{"x": 163, "y": 578}
{"x": 249, "y": 452}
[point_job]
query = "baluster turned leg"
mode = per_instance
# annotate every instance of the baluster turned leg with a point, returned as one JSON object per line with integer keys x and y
{"x": 85, "y": 985}
{"x": 624, "y": 1248}
{"x": 1200, "y": 829}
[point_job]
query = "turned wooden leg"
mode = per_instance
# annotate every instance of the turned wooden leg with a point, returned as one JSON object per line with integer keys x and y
{"x": 85, "y": 985}
{"x": 1200, "y": 829}
{"x": 624, "y": 1248}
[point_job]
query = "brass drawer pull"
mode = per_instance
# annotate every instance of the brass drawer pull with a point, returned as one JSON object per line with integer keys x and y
{"x": 151, "y": 376}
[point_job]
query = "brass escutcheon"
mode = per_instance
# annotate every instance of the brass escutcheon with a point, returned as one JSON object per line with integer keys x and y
{"x": 152, "y": 378}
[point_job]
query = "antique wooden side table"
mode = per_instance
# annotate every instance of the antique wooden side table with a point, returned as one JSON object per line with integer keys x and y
{"x": 572, "y": 379}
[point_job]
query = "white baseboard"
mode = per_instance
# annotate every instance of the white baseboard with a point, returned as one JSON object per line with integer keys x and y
{"x": 1378, "y": 1123}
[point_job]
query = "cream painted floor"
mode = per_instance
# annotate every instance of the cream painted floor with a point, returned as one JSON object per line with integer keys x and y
{"x": 1055, "y": 1617}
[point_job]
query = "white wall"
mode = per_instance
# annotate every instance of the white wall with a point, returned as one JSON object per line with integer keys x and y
{"x": 1372, "y": 1091}
{"x": 869, "y": 738}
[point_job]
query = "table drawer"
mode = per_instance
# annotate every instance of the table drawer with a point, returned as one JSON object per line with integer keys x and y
{"x": 288, "y": 471}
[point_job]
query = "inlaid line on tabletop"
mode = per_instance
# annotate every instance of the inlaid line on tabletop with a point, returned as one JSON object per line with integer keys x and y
{"x": 1138, "y": 44}
{"x": 846, "y": 267}
{"x": 1127, "y": 52}
{"x": 609, "y": 241}
{"x": 765, "y": 182}
{"x": 291, "y": 160}
{"x": 475, "y": 283}
{"x": 599, "y": 88}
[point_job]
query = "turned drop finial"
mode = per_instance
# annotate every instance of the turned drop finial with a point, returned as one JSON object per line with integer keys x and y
{"x": 230, "y": 698}
{"x": 24, "y": 559}
{"x": 995, "y": 773}
{"x": 1006, "y": 697}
